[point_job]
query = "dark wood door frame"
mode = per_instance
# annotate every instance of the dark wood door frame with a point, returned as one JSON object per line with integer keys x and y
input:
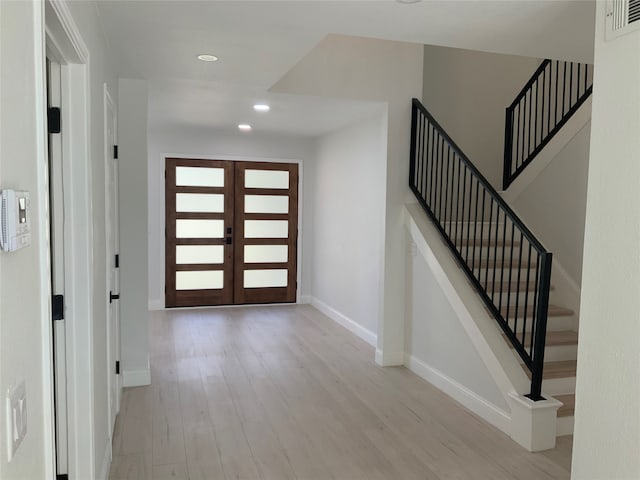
{"x": 233, "y": 241}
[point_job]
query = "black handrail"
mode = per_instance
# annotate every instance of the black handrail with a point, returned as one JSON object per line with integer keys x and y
{"x": 555, "y": 91}
{"x": 473, "y": 218}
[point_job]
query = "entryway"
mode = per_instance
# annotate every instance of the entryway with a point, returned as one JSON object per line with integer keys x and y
{"x": 231, "y": 232}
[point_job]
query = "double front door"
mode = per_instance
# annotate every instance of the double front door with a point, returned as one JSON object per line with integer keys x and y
{"x": 231, "y": 232}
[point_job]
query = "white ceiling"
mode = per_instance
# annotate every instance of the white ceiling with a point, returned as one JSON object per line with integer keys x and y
{"x": 259, "y": 41}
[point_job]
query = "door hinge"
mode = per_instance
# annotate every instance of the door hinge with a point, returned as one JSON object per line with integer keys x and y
{"x": 117, "y": 367}
{"x": 113, "y": 296}
{"x": 53, "y": 119}
{"x": 115, "y": 151}
{"x": 117, "y": 261}
{"x": 57, "y": 307}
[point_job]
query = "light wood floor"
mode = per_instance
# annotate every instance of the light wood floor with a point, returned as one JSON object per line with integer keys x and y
{"x": 284, "y": 393}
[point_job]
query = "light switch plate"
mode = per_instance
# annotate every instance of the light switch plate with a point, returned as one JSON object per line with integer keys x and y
{"x": 16, "y": 418}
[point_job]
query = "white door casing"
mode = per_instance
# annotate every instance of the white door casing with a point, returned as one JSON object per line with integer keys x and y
{"x": 112, "y": 221}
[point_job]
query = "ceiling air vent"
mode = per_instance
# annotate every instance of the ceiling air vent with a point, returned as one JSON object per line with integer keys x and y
{"x": 623, "y": 16}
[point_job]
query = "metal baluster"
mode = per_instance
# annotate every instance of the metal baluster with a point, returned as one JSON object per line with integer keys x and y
{"x": 555, "y": 110}
{"x": 432, "y": 196}
{"x": 504, "y": 236}
{"x": 441, "y": 160}
{"x": 564, "y": 88}
{"x": 425, "y": 157}
{"x": 475, "y": 227}
{"x": 486, "y": 271}
{"x": 515, "y": 320}
{"x": 446, "y": 191}
{"x": 451, "y": 162}
{"x": 458, "y": 238}
{"x": 526, "y": 296}
{"x": 513, "y": 227}
{"x": 484, "y": 194}
{"x": 495, "y": 249}
{"x": 535, "y": 125}
{"x": 534, "y": 325}
{"x": 570, "y": 85}
{"x": 466, "y": 258}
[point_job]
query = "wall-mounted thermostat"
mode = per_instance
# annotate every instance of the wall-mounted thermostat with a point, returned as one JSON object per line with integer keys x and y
{"x": 15, "y": 231}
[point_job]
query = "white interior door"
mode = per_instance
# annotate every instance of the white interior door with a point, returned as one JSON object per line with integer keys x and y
{"x": 56, "y": 222}
{"x": 113, "y": 280}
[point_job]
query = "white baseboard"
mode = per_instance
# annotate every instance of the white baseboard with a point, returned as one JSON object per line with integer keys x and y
{"x": 106, "y": 462}
{"x": 156, "y": 304}
{"x": 393, "y": 359}
{"x": 478, "y": 405}
{"x": 136, "y": 378}
{"x": 306, "y": 299}
{"x": 351, "y": 325}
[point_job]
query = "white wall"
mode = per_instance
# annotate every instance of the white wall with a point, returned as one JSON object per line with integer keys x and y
{"x": 198, "y": 142}
{"x": 132, "y": 162}
{"x": 349, "y": 174}
{"x": 607, "y": 421}
{"x": 362, "y": 68}
{"x": 553, "y": 205}
{"x": 435, "y": 336}
{"x": 24, "y": 304}
{"x": 467, "y": 92}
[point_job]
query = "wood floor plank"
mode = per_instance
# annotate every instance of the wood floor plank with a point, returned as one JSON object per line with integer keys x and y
{"x": 282, "y": 392}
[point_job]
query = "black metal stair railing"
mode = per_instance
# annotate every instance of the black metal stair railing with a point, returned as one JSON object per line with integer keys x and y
{"x": 506, "y": 264}
{"x": 552, "y": 95}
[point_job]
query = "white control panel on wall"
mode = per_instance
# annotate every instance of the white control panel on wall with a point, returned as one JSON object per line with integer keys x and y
{"x": 16, "y": 418}
{"x": 15, "y": 221}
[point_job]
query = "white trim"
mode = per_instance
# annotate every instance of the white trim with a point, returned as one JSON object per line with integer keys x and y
{"x": 389, "y": 359}
{"x": 136, "y": 378}
{"x": 474, "y": 402}
{"x": 305, "y": 299}
{"x": 44, "y": 251}
{"x": 64, "y": 34}
{"x": 156, "y": 304}
{"x": 341, "y": 319}
{"x": 106, "y": 462}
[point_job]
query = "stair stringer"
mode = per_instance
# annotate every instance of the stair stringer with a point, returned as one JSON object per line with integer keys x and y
{"x": 531, "y": 424}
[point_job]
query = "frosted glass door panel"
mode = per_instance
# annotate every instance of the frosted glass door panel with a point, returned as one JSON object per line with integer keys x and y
{"x": 188, "y": 254}
{"x": 266, "y": 179}
{"x": 199, "y": 177}
{"x": 200, "y": 280}
{"x": 266, "y": 253}
{"x": 199, "y": 228}
{"x": 266, "y": 204}
{"x": 266, "y": 228}
{"x": 265, "y": 278}
{"x": 199, "y": 202}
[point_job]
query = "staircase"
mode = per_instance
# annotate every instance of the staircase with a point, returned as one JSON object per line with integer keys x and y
{"x": 561, "y": 340}
{"x": 503, "y": 260}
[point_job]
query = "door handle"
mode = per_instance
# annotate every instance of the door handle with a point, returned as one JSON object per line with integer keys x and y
{"x": 228, "y": 240}
{"x": 113, "y": 296}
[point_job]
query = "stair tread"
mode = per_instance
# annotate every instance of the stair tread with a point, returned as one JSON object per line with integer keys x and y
{"x": 506, "y": 263}
{"x": 552, "y": 370}
{"x": 568, "y": 405}
{"x": 555, "y": 339}
{"x": 485, "y": 242}
{"x": 521, "y": 287}
{"x": 553, "y": 311}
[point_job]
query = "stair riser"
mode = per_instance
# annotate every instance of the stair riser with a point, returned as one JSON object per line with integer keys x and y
{"x": 554, "y": 324}
{"x": 558, "y": 353}
{"x": 564, "y": 426}
{"x": 559, "y": 386}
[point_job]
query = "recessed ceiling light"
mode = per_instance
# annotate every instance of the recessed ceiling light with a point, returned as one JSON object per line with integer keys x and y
{"x": 205, "y": 57}
{"x": 244, "y": 127}
{"x": 261, "y": 107}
